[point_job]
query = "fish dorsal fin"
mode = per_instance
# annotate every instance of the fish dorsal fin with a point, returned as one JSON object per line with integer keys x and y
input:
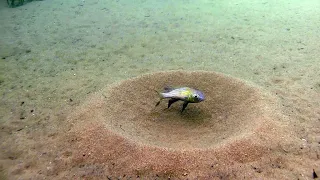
{"x": 168, "y": 89}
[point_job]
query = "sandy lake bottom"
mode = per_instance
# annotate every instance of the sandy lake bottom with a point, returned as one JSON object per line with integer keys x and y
{"x": 77, "y": 85}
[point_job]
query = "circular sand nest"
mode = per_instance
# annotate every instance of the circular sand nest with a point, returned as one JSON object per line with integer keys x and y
{"x": 232, "y": 110}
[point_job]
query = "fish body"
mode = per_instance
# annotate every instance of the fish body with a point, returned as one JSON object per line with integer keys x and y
{"x": 185, "y": 94}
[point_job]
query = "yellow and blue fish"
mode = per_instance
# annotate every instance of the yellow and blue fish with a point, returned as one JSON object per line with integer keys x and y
{"x": 185, "y": 94}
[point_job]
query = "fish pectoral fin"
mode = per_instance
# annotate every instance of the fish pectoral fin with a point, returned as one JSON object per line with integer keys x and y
{"x": 185, "y": 104}
{"x": 171, "y": 101}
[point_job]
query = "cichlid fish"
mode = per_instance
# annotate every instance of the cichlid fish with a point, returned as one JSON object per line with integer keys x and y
{"x": 185, "y": 94}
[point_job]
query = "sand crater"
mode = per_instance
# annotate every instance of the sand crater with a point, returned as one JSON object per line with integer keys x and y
{"x": 232, "y": 110}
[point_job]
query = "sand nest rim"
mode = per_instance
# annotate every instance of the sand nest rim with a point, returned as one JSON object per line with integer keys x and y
{"x": 233, "y": 110}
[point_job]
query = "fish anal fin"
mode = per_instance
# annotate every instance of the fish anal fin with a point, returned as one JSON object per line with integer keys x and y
{"x": 171, "y": 101}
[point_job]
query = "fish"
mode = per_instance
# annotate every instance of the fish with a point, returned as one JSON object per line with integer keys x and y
{"x": 185, "y": 94}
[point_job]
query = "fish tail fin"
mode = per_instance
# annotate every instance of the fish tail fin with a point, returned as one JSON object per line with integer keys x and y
{"x": 168, "y": 88}
{"x": 160, "y": 95}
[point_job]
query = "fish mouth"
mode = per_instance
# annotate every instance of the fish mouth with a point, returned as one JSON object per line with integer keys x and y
{"x": 201, "y": 99}
{"x": 201, "y": 96}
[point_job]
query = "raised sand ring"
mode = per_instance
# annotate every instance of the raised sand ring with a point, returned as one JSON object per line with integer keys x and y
{"x": 232, "y": 109}
{"x": 120, "y": 124}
